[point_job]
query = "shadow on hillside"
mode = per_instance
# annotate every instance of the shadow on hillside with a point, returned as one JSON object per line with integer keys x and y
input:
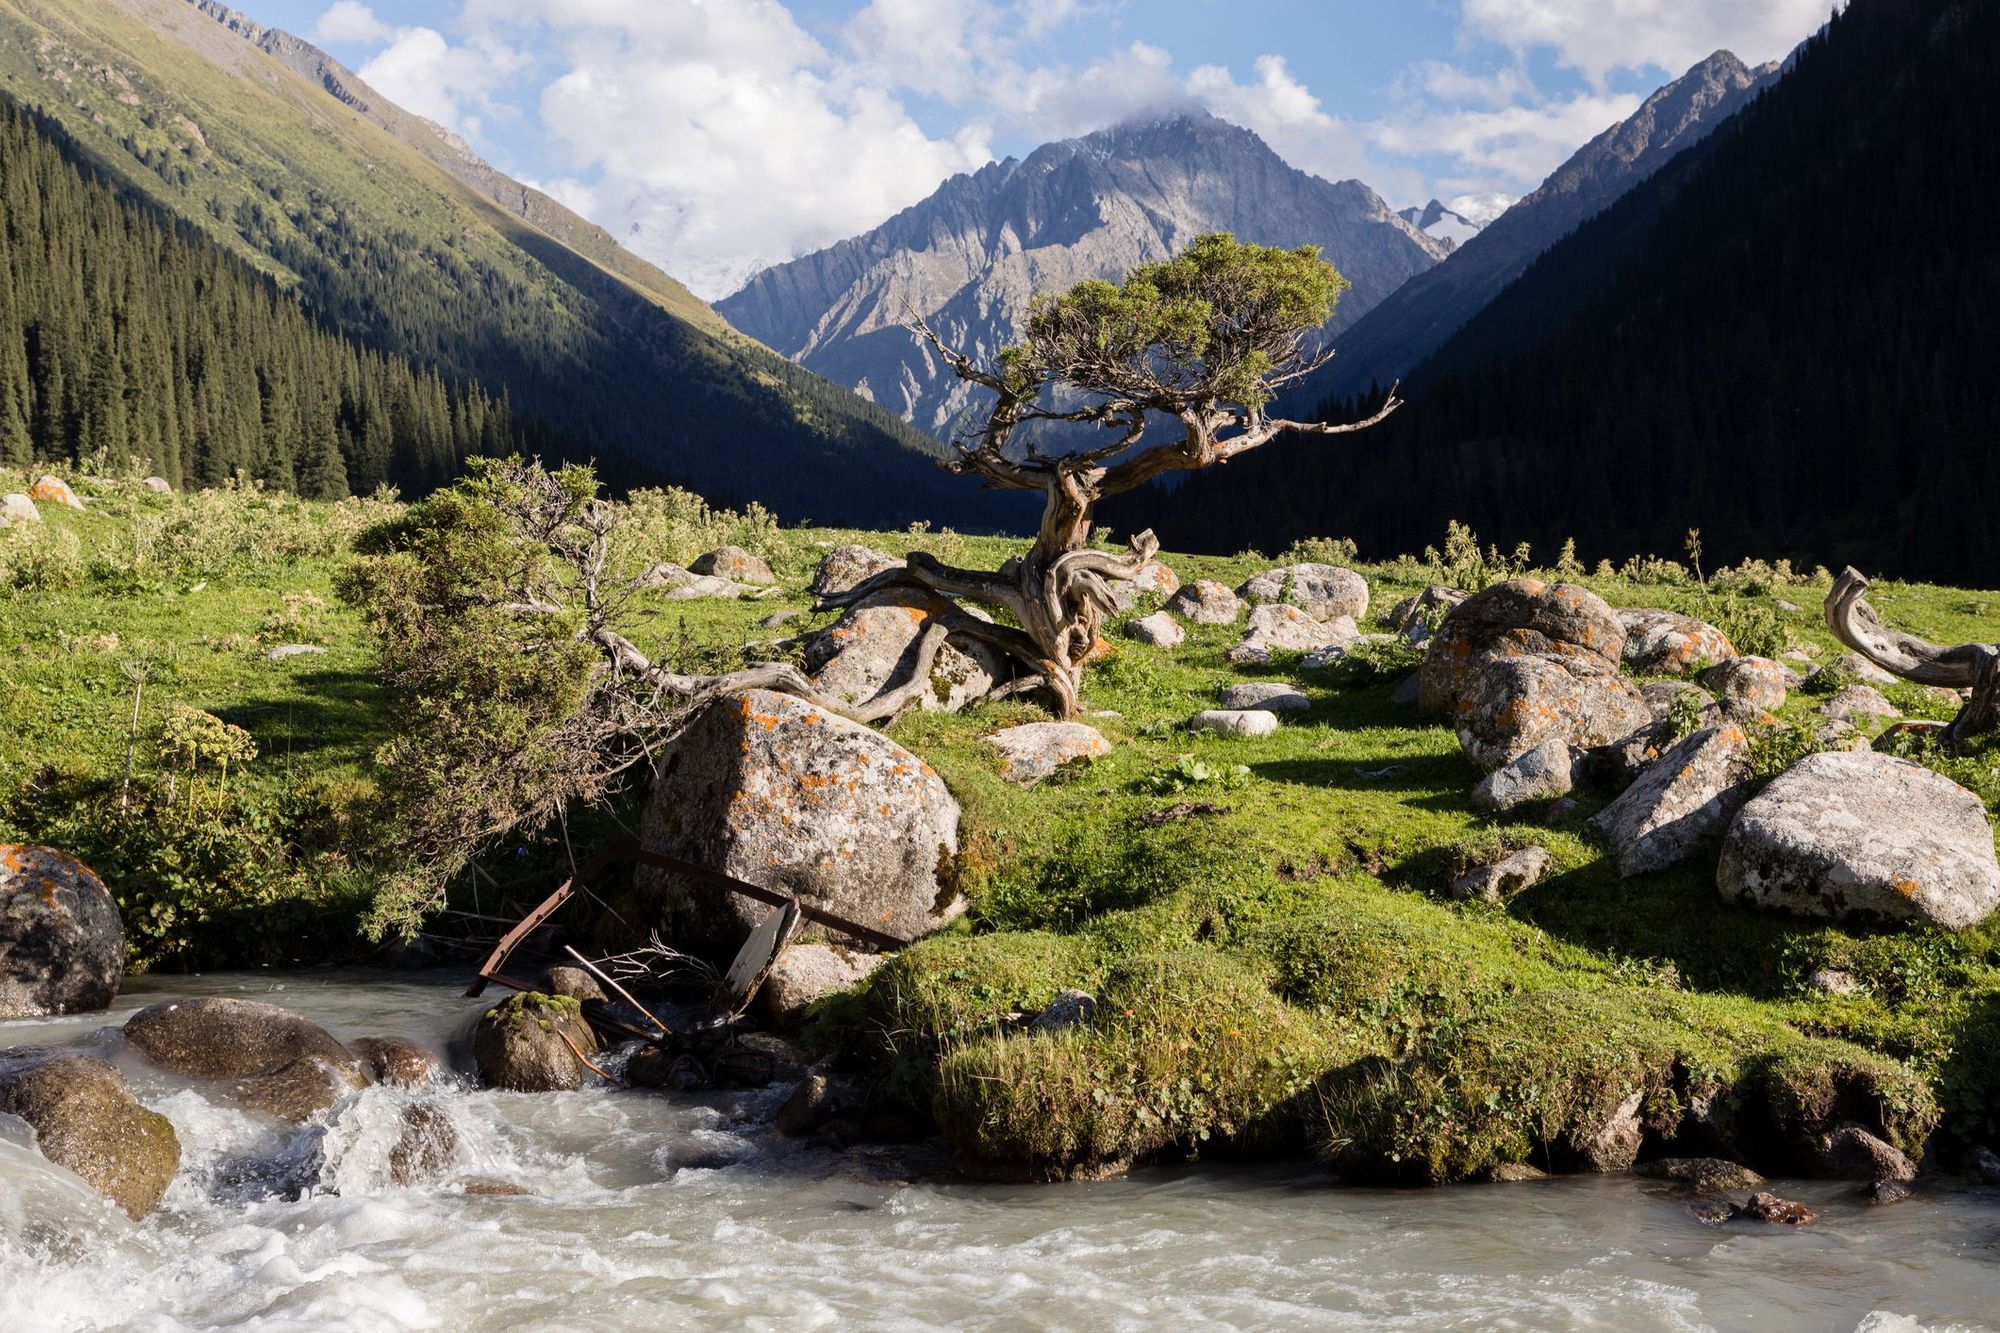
{"x": 1429, "y": 781}
{"x": 339, "y": 711}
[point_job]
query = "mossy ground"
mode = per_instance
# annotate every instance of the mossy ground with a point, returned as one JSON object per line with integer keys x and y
{"x": 1283, "y": 971}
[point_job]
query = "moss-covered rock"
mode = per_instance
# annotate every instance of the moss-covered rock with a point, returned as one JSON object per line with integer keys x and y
{"x": 531, "y": 1042}
{"x": 86, "y": 1119}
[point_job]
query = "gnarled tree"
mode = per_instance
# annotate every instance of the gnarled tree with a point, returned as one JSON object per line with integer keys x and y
{"x": 1974, "y": 667}
{"x": 1177, "y": 365}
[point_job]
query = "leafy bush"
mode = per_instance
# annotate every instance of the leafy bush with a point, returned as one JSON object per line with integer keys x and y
{"x": 1320, "y": 551}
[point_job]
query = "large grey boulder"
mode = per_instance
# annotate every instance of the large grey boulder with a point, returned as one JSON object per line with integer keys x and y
{"x": 1516, "y": 704}
{"x": 17, "y": 508}
{"x": 62, "y": 944}
{"x": 807, "y": 973}
{"x": 735, "y": 564}
{"x": 1154, "y": 577}
{"x": 1518, "y": 618}
{"x": 524, "y": 1043}
{"x": 1034, "y": 750}
{"x": 1540, "y": 774}
{"x": 282, "y": 1064}
{"x": 876, "y": 644}
{"x": 770, "y": 789}
{"x": 1270, "y": 695}
{"x": 1324, "y": 592}
{"x": 87, "y": 1120}
{"x": 844, "y": 567}
{"x": 1755, "y": 683}
{"x": 1662, "y": 643}
{"x": 1234, "y": 722}
{"x": 1278, "y": 628}
{"x": 1856, "y": 835}
{"x": 1679, "y": 803}
{"x": 1205, "y": 602}
{"x": 1159, "y": 629}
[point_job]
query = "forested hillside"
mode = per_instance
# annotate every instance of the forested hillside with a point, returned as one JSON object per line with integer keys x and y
{"x": 1786, "y": 339}
{"x": 122, "y": 332}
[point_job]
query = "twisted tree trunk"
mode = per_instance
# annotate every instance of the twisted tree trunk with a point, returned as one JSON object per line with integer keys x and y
{"x": 1970, "y": 666}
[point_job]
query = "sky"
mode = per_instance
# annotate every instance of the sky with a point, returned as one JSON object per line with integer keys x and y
{"x": 715, "y": 137}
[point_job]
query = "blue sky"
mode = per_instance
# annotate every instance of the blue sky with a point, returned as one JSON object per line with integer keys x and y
{"x": 717, "y": 136}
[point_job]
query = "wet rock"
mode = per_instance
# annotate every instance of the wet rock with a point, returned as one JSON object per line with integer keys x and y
{"x": 1035, "y": 750}
{"x": 1513, "y": 1173}
{"x": 1661, "y": 643}
{"x": 1859, "y": 703}
{"x": 1852, "y": 1153}
{"x": 1324, "y": 592}
{"x": 708, "y": 1150}
{"x": 157, "y": 485}
{"x": 1205, "y": 602}
{"x": 1540, "y": 774}
{"x": 1981, "y": 1165}
{"x": 1703, "y": 1175}
{"x": 519, "y": 1044}
{"x": 1159, "y": 629}
{"x": 806, "y": 973}
{"x": 1516, "y": 704}
{"x": 770, "y": 789}
{"x": 1270, "y": 695}
{"x": 54, "y": 491}
{"x": 397, "y": 1060}
{"x": 1883, "y": 1192}
{"x": 1749, "y": 683}
{"x": 87, "y": 1120}
{"x": 17, "y": 508}
{"x": 1154, "y": 577}
{"x": 573, "y": 983}
{"x": 735, "y": 564}
{"x": 426, "y": 1147}
{"x": 789, "y": 1059}
{"x": 656, "y": 1067}
{"x": 816, "y": 1102}
{"x": 846, "y": 567}
{"x": 1286, "y": 629}
{"x": 1503, "y": 879}
{"x": 875, "y": 647}
{"x": 1680, "y": 803}
{"x": 1070, "y": 1009}
{"x": 62, "y": 944}
{"x": 1767, "y": 1207}
{"x": 1614, "y": 1145}
{"x": 1834, "y": 981}
{"x": 1234, "y": 722}
{"x": 283, "y": 1064}
{"x": 1863, "y": 837}
{"x": 1518, "y": 618}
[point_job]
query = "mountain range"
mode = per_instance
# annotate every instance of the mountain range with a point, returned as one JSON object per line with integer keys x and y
{"x": 1459, "y": 221}
{"x": 969, "y": 257}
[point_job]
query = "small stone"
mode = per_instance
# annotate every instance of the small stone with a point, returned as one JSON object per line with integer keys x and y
{"x": 1861, "y": 669}
{"x": 1035, "y": 750}
{"x": 1857, "y": 702}
{"x": 285, "y": 650}
{"x": 1703, "y": 1175}
{"x": 1749, "y": 682}
{"x": 1884, "y": 1192}
{"x": 817, "y": 1100}
{"x": 1159, "y": 629}
{"x": 157, "y": 485}
{"x": 1519, "y": 871}
{"x": 1269, "y": 695}
{"x": 17, "y": 508}
{"x": 1834, "y": 981}
{"x": 1235, "y": 722}
{"x": 426, "y": 1147}
{"x": 735, "y": 564}
{"x": 1789, "y": 608}
{"x": 1154, "y": 577}
{"x": 1541, "y": 774}
{"x": 1070, "y": 1009}
{"x": 778, "y": 619}
{"x": 1767, "y": 1207}
{"x": 1405, "y": 692}
{"x": 1205, "y": 602}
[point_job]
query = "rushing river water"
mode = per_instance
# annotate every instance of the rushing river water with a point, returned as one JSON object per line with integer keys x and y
{"x": 616, "y": 1231}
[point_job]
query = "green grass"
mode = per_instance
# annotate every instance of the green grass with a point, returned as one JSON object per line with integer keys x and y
{"x": 1283, "y": 974}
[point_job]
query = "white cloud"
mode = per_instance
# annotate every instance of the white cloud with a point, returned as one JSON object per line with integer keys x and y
{"x": 351, "y": 21}
{"x": 1597, "y": 37}
{"x": 1286, "y": 115}
{"x": 1514, "y": 146}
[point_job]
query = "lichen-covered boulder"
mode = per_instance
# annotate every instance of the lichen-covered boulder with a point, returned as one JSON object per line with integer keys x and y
{"x": 1034, "y": 750}
{"x": 1854, "y": 666}
{"x": 283, "y": 1064}
{"x": 1750, "y": 682}
{"x": 1861, "y": 836}
{"x": 845, "y": 567}
{"x": 1664, "y": 696}
{"x": 1515, "y": 704}
{"x": 1272, "y": 696}
{"x": 875, "y": 645}
{"x": 1234, "y": 722}
{"x": 735, "y": 564}
{"x": 1278, "y": 628}
{"x": 397, "y": 1060}
{"x": 1205, "y": 602}
{"x": 1679, "y": 803}
{"x": 17, "y": 508}
{"x": 1159, "y": 629}
{"x": 807, "y": 973}
{"x": 1154, "y": 576}
{"x": 523, "y": 1043}
{"x": 1662, "y": 643}
{"x": 1859, "y": 703}
{"x": 87, "y": 1120}
{"x": 62, "y": 945}
{"x": 773, "y": 790}
{"x": 1518, "y": 618}
{"x": 1324, "y": 592}
{"x": 54, "y": 491}
{"x": 1540, "y": 774}
{"x": 677, "y": 584}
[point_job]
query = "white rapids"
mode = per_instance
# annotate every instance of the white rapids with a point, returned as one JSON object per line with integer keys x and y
{"x": 645, "y": 1210}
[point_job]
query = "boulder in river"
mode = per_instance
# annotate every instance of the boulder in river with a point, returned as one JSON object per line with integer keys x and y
{"x": 1861, "y": 836}
{"x": 524, "y": 1043}
{"x": 1205, "y": 602}
{"x": 62, "y": 944}
{"x": 1324, "y": 592}
{"x": 1035, "y": 750}
{"x": 876, "y": 644}
{"x": 86, "y": 1119}
{"x": 1703, "y": 1175}
{"x": 773, "y": 790}
{"x": 807, "y": 973}
{"x": 283, "y": 1064}
{"x": 735, "y": 564}
{"x": 1681, "y": 802}
{"x": 397, "y": 1060}
{"x": 1852, "y": 1153}
{"x": 1663, "y": 643}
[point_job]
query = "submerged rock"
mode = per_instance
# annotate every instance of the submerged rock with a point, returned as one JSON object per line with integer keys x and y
{"x": 1703, "y": 1175}
{"x": 62, "y": 944}
{"x": 397, "y": 1060}
{"x": 87, "y": 1120}
{"x": 284, "y": 1065}
{"x": 524, "y": 1044}
{"x": 1035, "y": 750}
{"x": 816, "y": 1102}
{"x": 1767, "y": 1207}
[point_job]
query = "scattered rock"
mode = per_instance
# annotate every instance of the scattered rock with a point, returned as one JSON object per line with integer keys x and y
{"x": 1406, "y": 691}
{"x": 1412, "y": 617}
{"x": 87, "y": 1120}
{"x": 1070, "y": 1009}
{"x": 1235, "y": 722}
{"x": 1205, "y": 602}
{"x": 1518, "y": 618}
{"x": 1883, "y": 1192}
{"x": 519, "y": 1043}
{"x": 805, "y": 973}
{"x": 1516, "y": 704}
{"x": 1703, "y": 1175}
{"x": 284, "y": 1065}
{"x": 1863, "y": 836}
{"x": 1662, "y": 695}
{"x": 875, "y": 645}
{"x": 1270, "y": 695}
{"x": 397, "y": 1060}
{"x": 573, "y": 983}
{"x": 1789, "y": 608}
{"x": 845, "y": 567}
{"x": 684, "y": 585}
{"x": 62, "y": 944}
{"x": 768, "y": 788}
{"x": 1852, "y": 1153}
{"x": 1159, "y": 629}
{"x": 1834, "y": 981}
{"x": 1836, "y": 735}
{"x": 1859, "y": 668}
{"x": 1324, "y": 592}
{"x": 1278, "y": 628}
{"x": 1513, "y": 1173}
{"x": 54, "y": 491}
{"x": 1503, "y": 879}
{"x": 17, "y": 508}
{"x": 1680, "y": 803}
{"x": 285, "y": 650}
{"x": 735, "y": 564}
{"x": 1035, "y": 750}
{"x": 1982, "y": 1165}
{"x": 778, "y": 619}
{"x": 1540, "y": 774}
{"x": 1767, "y": 1207}
{"x": 426, "y": 1147}
{"x": 1615, "y": 1144}
{"x": 816, "y": 1101}
{"x": 1749, "y": 682}
{"x": 1154, "y": 576}
{"x": 1857, "y": 702}
{"x": 1661, "y": 643}
{"x": 157, "y": 485}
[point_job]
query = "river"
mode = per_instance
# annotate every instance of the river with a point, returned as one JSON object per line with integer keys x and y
{"x": 646, "y": 1210}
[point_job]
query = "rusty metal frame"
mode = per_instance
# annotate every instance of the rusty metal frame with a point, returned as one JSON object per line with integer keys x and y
{"x": 625, "y": 851}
